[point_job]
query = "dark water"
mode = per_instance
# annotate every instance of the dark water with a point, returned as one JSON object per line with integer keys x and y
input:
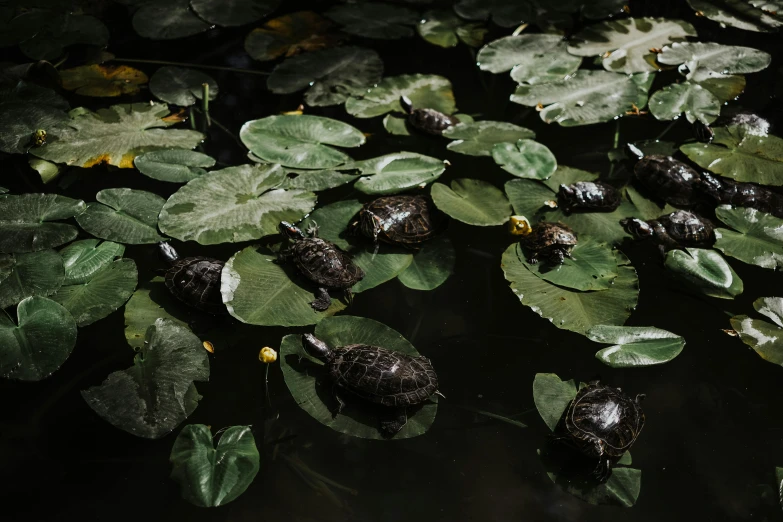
{"x": 714, "y": 431}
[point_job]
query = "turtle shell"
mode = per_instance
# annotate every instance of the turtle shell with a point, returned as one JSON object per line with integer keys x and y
{"x": 383, "y": 376}
{"x": 399, "y": 220}
{"x": 668, "y": 179}
{"x": 325, "y": 263}
{"x": 688, "y": 228}
{"x": 549, "y": 239}
{"x": 196, "y": 282}
{"x": 431, "y": 121}
{"x": 589, "y": 195}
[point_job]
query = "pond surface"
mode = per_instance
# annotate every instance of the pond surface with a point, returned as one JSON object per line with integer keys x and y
{"x": 713, "y": 436}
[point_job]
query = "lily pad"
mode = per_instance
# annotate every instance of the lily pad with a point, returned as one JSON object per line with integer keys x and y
{"x": 167, "y": 20}
{"x": 635, "y": 346}
{"x": 756, "y": 238}
{"x": 586, "y": 97}
{"x": 706, "y": 270}
{"x": 149, "y": 302}
{"x": 308, "y": 383}
{"x": 103, "y": 80}
{"x": 232, "y": 205}
{"x": 116, "y": 135}
{"x": 25, "y": 221}
{"x": 333, "y": 220}
{"x": 46, "y": 169}
{"x": 771, "y": 307}
{"x": 430, "y": 266}
{"x": 25, "y": 108}
{"x": 209, "y": 476}
{"x": 714, "y": 58}
{"x": 300, "y": 141}
{"x": 375, "y": 20}
{"x": 552, "y": 396}
{"x": 157, "y": 393}
{"x": 173, "y": 165}
{"x": 181, "y": 86}
{"x": 49, "y": 33}
{"x": 83, "y": 259}
{"x": 472, "y": 201}
{"x": 645, "y": 208}
{"x": 289, "y": 35}
{"x": 315, "y": 180}
{"x": 397, "y": 125}
{"x": 424, "y": 91}
{"x": 525, "y": 159}
{"x": 396, "y": 172}
{"x": 504, "y": 13}
{"x": 123, "y": 215}
{"x": 478, "y": 138}
{"x": 40, "y": 343}
{"x": 625, "y": 44}
{"x": 445, "y": 29}
{"x": 694, "y": 100}
{"x": 332, "y": 75}
{"x": 380, "y": 268}
{"x": 725, "y": 88}
{"x": 592, "y": 266}
{"x": 531, "y": 58}
{"x": 32, "y": 274}
{"x": 737, "y": 13}
{"x": 233, "y": 12}
{"x": 765, "y": 338}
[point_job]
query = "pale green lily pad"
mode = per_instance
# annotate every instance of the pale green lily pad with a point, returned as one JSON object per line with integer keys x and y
{"x": 83, "y": 259}
{"x": 443, "y": 28}
{"x": 690, "y": 98}
{"x": 173, "y": 165}
{"x": 592, "y": 266}
{"x": 157, "y": 393}
{"x": 771, "y": 307}
{"x": 181, "y": 86}
{"x": 431, "y": 266}
{"x": 525, "y": 159}
{"x": 311, "y": 387}
{"x": 167, "y": 20}
{"x": 706, "y": 270}
{"x": 504, "y": 13}
{"x": 375, "y": 20}
{"x": 472, "y": 201}
{"x": 635, "y": 346}
{"x": 479, "y": 137}
{"x": 586, "y": 97}
{"x": 531, "y": 58}
{"x": 46, "y": 169}
{"x": 211, "y": 476}
{"x": 397, "y": 125}
{"x": 300, "y": 141}
{"x": 315, "y": 180}
{"x": 765, "y": 338}
{"x": 233, "y": 205}
{"x": 625, "y": 44}
{"x": 737, "y": 13}
{"x": 714, "y": 58}
{"x": 424, "y": 90}
{"x": 233, "y": 12}
{"x": 124, "y": 216}
{"x": 40, "y": 344}
{"x": 756, "y": 238}
{"x": 25, "y": 221}
{"x": 3, "y": 190}
{"x": 397, "y": 172}
{"x": 31, "y": 274}
{"x": 552, "y": 396}
{"x": 150, "y": 301}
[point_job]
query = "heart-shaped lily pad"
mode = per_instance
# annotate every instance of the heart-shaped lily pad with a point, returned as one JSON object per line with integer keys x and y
{"x": 397, "y": 172}
{"x": 34, "y": 273}
{"x": 765, "y": 338}
{"x": 124, "y": 215}
{"x": 472, "y": 201}
{"x": 525, "y": 159}
{"x": 25, "y": 221}
{"x": 83, "y": 259}
{"x": 426, "y": 91}
{"x": 755, "y": 237}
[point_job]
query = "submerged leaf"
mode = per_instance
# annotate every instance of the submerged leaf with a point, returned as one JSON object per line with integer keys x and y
{"x": 288, "y": 35}
{"x": 33, "y": 274}
{"x": 445, "y": 29}
{"x": 525, "y": 159}
{"x": 25, "y": 221}
{"x": 181, "y": 86}
{"x": 424, "y": 90}
{"x": 472, "y": 201}
{"x": 375, "y": 20}
{"x": 431, "y": 265}
{"x": 706, "y": 270}
{"x": 123, "y": 215}
{"x": 757, "y": 237}
{"x": 636, "y": 346}
{"x": 233, "y": 12}
{"x": 477, "y": 138}
{"x": 173, "y": 165}
{"x": 552, "y": 396}
{"x": 103, "y": 80}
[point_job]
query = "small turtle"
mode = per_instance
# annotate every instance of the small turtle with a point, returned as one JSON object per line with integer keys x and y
{"x": 194, "y": 280}
{"x": 680, "y": 228}
{"x": 320, "y": 261}
{"x": 741, "y": 194}
{"x": 401, "y": 220}
{"x": 668, "y": 179}
{"x": 551, "y": 241}
{"x": 589, "y": 195}
{"x": 601, "y": 422}
{"x": 427, "y": 120}
{"x": 382, "y": 376}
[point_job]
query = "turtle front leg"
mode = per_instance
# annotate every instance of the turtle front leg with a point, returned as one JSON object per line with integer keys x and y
{"x": 348, "y": 295}
{"x": 339, "y": 400}
{"x": 393, "y": 422}
{"x": 322, "y": 300}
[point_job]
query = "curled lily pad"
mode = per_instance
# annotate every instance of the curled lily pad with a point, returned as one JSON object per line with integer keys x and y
{"x": 375, "y": 20}
{"x": 83, "y": 259}
{"x": 211, "y": 476}
{"x": 765, "y": 338}
{"x": 173, "y": 165}
{"x": 737, "y": 13}
{"x": 40, "y": 343}
{"x": 505, "y": 13}
{"x": 289, "y": 35}
{"x": 531, "y": 58}
{"x": 181, "y": 86}
{"x": 233, "y": 12}
{"x": 424, "y": 90}
{"x": 445, "y": 29}
{"x": 525, "y": 159}
{"x": 706, "y": 270}
{"x": 430, "y": 266}
{"x": 167, "y": 20}
{"x": 714, "y": 58}
{"x": 592, "y": 266}
{"x": 309, "y": 384}
{"x": 123, "y": 215}
{"x": 754, "y": 237}
{"x": 479, "y": 137}
{"x": 46, "y": 169}
{"x": 472, "y": 201}
{"x": 25, "y": 221}
{"x": 635, "y": 346}
{"x": 551, "y": 396}
{"x": 23, "y": 275}
{"x": 396, "y": 172}
{"x": 158, "y": 392}
{"x": 103, "y": 80}
{"x": 694, "y": 100}
{"x": 232, "y": 205}
{"x": 771, "y": 307}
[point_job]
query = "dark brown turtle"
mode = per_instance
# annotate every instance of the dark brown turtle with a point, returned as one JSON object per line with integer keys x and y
{"x": 320, "y": 261}
{"x": 741, "y": 194}
{"x": 401, "y": 220}
{"x": 680, "y": 228}
{"x": 668, "y": 179}
{"x": 603, "y": 423}
{"x": 427, "y": 120}
{"x": 194, "y": 280}
{"x": 386, "y": 377}
{"x": 592, "y": 196}
{"x": 550, "y": 241}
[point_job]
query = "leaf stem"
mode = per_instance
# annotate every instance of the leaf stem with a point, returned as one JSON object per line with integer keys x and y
{"x": 194, "y": 65}
{"x": 205, "y": 102}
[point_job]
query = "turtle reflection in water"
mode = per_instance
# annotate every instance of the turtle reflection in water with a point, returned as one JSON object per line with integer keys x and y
{"x": 427, "y": 120}
{"x": 593, "y": 196}
{"x": 680, "y": 228}
{"x": 321, "y": 261}
{"x": 401, "y": 220}
{"x": 194, "y": 280}
{"x": 550, "y": 241}
{"x": 378, "y": 375}
{"x": 603, "y": 423}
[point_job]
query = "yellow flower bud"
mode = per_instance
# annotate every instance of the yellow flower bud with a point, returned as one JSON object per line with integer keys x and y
{"x": 267, "y": 355}
{"x": 519, "y": 226}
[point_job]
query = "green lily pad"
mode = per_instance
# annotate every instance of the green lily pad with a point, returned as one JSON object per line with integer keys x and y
{"x": 173, "y": 165}
{"x": 625, "y": 44}
{"x": 771, "y": 307}
{"x": 737, "y": 13}
{"x": 397, "y": 125}
{"x": 375, "y": 20}
{"x": 714, "y": 58}
{"x": 46, "y": 169}
{"x": 167, "y": 20}
{"x": 592, "y": 266}
{"x": 83, "y": 259}
{"x": 233, "y": 12}
{"x": 157, "y": 393}
{"x": 380, "y": 268}
{"x": 765, "y": 338}
{"x": 694, "y": 100}
{"x": 123, "y": 215}
{"x": 443, "y": 28}
{"x": 755, "y": 237}
{"x": 737, "y": 154}
{"x": 25, "y": 108}
{"x": 300, "y": 141}
{"x": 635, "y": 346}
{"x": 315, "y": 180}
{"x": 586, "y": 97}
{"x": 504, "y": 13}
{"x": 116, "y": 136}
{"x": 430, "y": 266}
{"x": 332, "y": 75}
{"x": 209, "y": 476}
{"x": 48, "y": 33}
{"x": 289, "y": 34}
{"x": 531, "y": 58}
{"x": 424, "y": 90}
{"x": 706, "y": 270}
{"x": 311, "y": 389}
{"x": 181, "y": 86}
{"x": 478, "y": 138}
{"x": 232, "y": 205}
{"x": 525, "y": 159}
{"x": 779, "y": 484}
{"x": 725, "y": 88}
{"x": 40, "y": 344}
{"x": 333, "y": 220}
{"x": 25, "y": 221}
{"x": 646, "y": 209}
{"x": 32, "y": 274}
{"x": 472, "y": 201}
{"x": 552, "y": 396}
{"x": 149, "y": 302}
{"x": 397, "y": 172}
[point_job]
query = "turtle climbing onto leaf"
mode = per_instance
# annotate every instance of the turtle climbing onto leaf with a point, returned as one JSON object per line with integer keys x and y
{"x": 320, "y": 261}
{"x": 550, "y": 241}
{"x": 378, "y": 375}
{"x": 401, "y": 220}
{"x": 680, "y": 228}
{"x": 194, "y": 280}
{"x": 427, "y": 120}
{"x": 591, "y": 196}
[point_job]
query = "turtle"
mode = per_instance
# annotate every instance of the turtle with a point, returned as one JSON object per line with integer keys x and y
{"x": 680, "y": 228}
{"x": 194, "y": 280}
{"x": 741, "y": 194}
{"x": 320, "y": 261}
{"x": 551, "y": 241}
{"x": 668, "y": 179}
{"x": 601, "y": 422}
{"x": 588, "y": 195}
{"x": 401, "y": 220}
{"x": 427, "y": 120}
{"x": 378, "y": 375}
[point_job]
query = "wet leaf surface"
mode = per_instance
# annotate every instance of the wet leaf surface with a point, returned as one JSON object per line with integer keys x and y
{"x": 32, "y": 274}
{"x": 173, "y": 165}
{"x": 84, "y": 258}
{"x": 692, "y": 99}
{"x": 124, "y": 216}
{"x": 375, "y": 20}
{"x": 552, "y": 396}
{"x": 149, "y": 302}
{"x": 592, "y": 266}
{"x": 446, "y": 29}
{"x": 525, "y": 159}
{"x": 479, "y": 137}
{"x": 714, "y": 58}
{"x": 531, "y": 58}
{"x": 424, "y": 91}
{"x": 754, "y": 237}
{"x": 25, "y": 108}
{"x": 233, "y": 12}
{"x": 472, "y": 201}
{"x": 25, "y": 221}
{"x": 394, "y": 173}
{"x": 167, "y": 20}
{"x": 737, "y": 13}
{"x": 430, "y": 266}
{"x": 635, "y": 346}
{"x": 706, "y": 270}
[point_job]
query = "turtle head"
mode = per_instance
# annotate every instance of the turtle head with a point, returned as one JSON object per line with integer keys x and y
{"x": 637, "y": 228}
{"x": 317, "y": 348}
{"x": 290, "y": 231}
{"x": 167, "y": 252}
{"x": 640, "y": 398}
{"x": 407, "y": 104}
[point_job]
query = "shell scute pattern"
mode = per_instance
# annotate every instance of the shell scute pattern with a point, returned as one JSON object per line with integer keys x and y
{"x": 668, "y": 179}
{"x": 398, "y": 220}
{"x": 196, "y": 281}
{"x": 589, "y": 195}
{"x": 431, "y": 121}
{"x": 324, "y": 263}
{"x": 551, "y": 241}
{"x": 608, "y": 415}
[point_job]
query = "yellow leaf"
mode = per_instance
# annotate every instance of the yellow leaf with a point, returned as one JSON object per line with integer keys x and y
{"x": 103, "y": 80}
